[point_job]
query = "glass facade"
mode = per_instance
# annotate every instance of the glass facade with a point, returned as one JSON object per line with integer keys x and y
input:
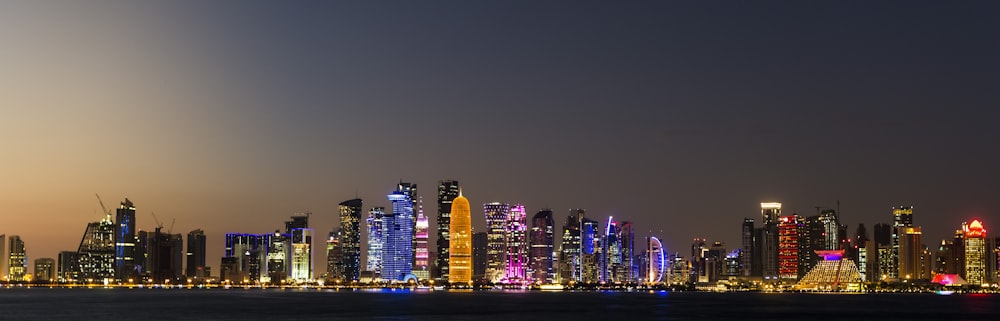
{"x": 517, "y": 245}
{"x": 397, "y": 240}
{"x": 496, "y": 246}
{"x": 375, "y": 240}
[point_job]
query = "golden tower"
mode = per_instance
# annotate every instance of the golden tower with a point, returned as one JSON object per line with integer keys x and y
{"x": 460, "y": 249}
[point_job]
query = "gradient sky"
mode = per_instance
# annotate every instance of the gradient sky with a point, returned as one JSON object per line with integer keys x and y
{"x": 680, "y": 116}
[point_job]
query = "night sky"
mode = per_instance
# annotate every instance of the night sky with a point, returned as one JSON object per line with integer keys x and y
{"x": 680, "y": 116}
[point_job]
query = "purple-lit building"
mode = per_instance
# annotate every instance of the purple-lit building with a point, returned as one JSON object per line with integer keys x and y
{"x": 517, "y": 245}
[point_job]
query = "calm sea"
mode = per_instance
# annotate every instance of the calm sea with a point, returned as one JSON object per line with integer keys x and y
{"x": 256, "y": 304}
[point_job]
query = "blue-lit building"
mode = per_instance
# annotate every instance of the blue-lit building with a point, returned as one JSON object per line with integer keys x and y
{"x": 125, "y": 254}
{"x": 589, "y": 245}
{"x": 397, "y": 233}
{"x": 611, "y": 259}
{"x": 375, "y": 221}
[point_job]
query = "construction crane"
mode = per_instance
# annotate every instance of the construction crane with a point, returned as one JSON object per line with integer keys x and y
{"x": 158, "y": 224}
{"x": 105, "y": 208}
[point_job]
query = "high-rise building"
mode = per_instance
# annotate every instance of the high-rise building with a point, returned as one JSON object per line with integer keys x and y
{"x": 67, "y": 270}
{"x": 767, "y": 239}
{"x": 517, "y": 245}
{"x": 611, "y": 259}
{"x": 910, "y": 254}
{"x": 589, "y": 245}
{"x": 375, "y": 241}
{"x": 350, "y": 239}
{"x": 860, "y": 250}
{"x": 45, "y": 270}
{"x": 397, "y": 260}
{"x": 410, "y": 190}
{"x": 656, "y": 263}
{"x": 273, "y": 254}
{"x": 542, "y": 238}
{"x": 628, "y": 272}
{"x": 496, "y": 244}
{"x": 480, "y": 243}
{"x": 422, "y": 266}
{"x": 882, "y": 235}
{"x": 460, "y": 245}
{"x": 300, "y": 268}
{"x": 196, "y": 267}
{"x": 975, "y": 253}
{"x": 902, "y": 217}
{"x": 335, "y": 272}
{"x": 788, "y": 248}
{"x": 831, "y": 229}
{"x": 747, "y": 258}
{"x": 447, "y": 191}
{"x": 125, "y": 252}
{"x": 17, "y": 265}
{"x": 570, "y": 267}
{"x": 161, "y": 257}
{"x": 95, "y": 259}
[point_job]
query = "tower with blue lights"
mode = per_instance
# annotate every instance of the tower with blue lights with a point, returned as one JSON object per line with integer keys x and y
{"x": 397, "y": 233}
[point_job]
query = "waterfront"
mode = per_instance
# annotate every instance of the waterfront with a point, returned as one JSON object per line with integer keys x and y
{"x": 298, "y": 304}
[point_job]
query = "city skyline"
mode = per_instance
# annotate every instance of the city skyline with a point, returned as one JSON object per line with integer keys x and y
{"x": 679, "y": 117}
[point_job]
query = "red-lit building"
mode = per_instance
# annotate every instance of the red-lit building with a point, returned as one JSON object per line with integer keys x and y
{"x": 788, "y": 247}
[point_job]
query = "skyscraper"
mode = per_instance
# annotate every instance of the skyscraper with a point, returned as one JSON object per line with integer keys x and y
{"x": 17, "y": 264}
{"x": 542, "y": 247}
{"x": 125, "y": 253}
{"x": 788, "y": 248}
{"x": 421, "y": 268}
{"x": 67, "y": 270}
{"x": 496, "y": 246}
{"x": 447, "y": 191}
{"x": 410, "y": 189}
{"x": 162, "y": 255}
{"x": 45, "y": 270}
{"x": 910, "y": 253}
{"x": 589, "y": 254}
{"x": 831, "y": 226}
{"x": 479, "y": 257}
{"x": 902, "y": 217}
{"x": 629, "y": 271}
{"x": 196, "y": 255}
{"x": 334, "y": 258}
{"x": 300, "y": 236}
{"x": 517, "y": 244}
{"x": 767, "y": 240}
{"x": 747, "y": 259}
{"x": 611, "y": 259}
{"x": 975, "y": 253}
{"x": 375, "y": 241}
{"x": 95, "y": 259}
{"x": 397, "y": 261}
{"x": 882, "y": 235}
{"x": 570, "y": 259}
{"x": 350, "y": 239}
{"x": 460, "y": 245}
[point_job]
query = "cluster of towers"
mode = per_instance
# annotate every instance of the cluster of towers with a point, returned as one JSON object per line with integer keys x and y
{"x": 785, "y": 248}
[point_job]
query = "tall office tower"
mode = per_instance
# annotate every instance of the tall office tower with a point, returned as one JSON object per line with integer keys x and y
{"x": 460, "y": 245}
{"x": 569, "y": 254}
{"x": 67, "y": 270}
{"x": 17, "y": 265}
{"x": 812, "y": 238}
{"x": 496, "y": 244}
{"x": 396, "y": 234}
{"x": 768, "y": 239}
{"x": 335, "y": 272}
{"x": 629, "y": 270}
{"x": 861, "y": 256}
{"x": 125, "y": 253}
{"x": 421, "y": 268}
{"x": 589, "y": 241}
{"x": 882, "y": 235}
{"x": 910, "y": 252}
{"x": 732, "y": 264}
{"x": 300, "y": 268}
{"x": 517, "y": 244}
{"x": 715, "y": 261}
{"x": 45, "y": 270}
{"x": 831, "y": 226}
{"x": 957, "y": 253}
{"x": 163, "y": 256}
{"x": 196, "y": 255}
{"x": 611, "y": 250}
{"x": 699, "y": 251}
{"x": 96, "y": 252}
{"x": 375, "y": 241}
{"x": 788, "y": 248}
{"x": 410, "y": 189}
{"x": 542, "y": 239}
{"x": 350, "y": 239}
{"x": 747, "y": 259}
{"x": 975, "y": 253}
{"x": 480, "y": 243}
{"x": 447, "y": 191}
{"x": 902, "y": 217}
{"x": 655, "y": 261}
{"x": 942, "y": 258}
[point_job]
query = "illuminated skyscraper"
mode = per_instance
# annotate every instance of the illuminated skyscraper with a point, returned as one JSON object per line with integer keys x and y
{"x": 375, "y": 240}
{"x": 397, "y": 261}
{"x": 125, "y": 253}
{"x": 17, "y": 263}
{"x": 335, "y": 258}
{"x": 747, "y": 259}
{"x": 975, "y": 253}
{"x": 570, "y": 259}
{"x": 629, "y": 271}
{"x": 590, "y": 241}
{"x": 496, "y": 245}
{"x": 767, "y": 240}
{"x": 196, "y": 267}
{"x": 831, "y": 225}
{"x": 421, "y": 268}
{"x": 517, "y": 244}
{"x": 882, "y": 235}
{"x": 910, "y": 252}
{"x": 611, "y": 259}
{"x": 788, "y": 248}
{"x": 300, "y": 236}
{"x": 95, "y": 259}
{"x": 655, "y": 260}
{"x": 902, "y": 217}
{"x": 410, "y": 190}
{"x": 350, "y": 239}
{"x": 447, "y": 191}
{"x": 460, "y": 258}
{"x": 542, "y": 240}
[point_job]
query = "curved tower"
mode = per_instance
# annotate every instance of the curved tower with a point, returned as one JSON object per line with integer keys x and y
{"x": 460, "y": 247}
